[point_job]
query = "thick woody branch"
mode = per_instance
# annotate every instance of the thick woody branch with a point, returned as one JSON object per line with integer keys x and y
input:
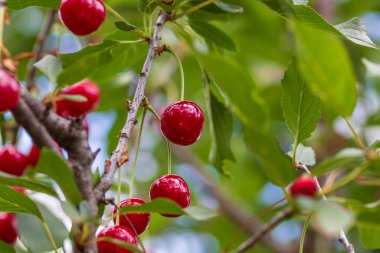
{"x": 342, "y": 236}
{"x": 277, "y": 219}
{"x": 39, "y": 46}
{"x": 120, "y": 155}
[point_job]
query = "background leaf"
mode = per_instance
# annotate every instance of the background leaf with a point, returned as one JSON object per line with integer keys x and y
{"x": 6, "y": 248}
{"x": 28, "y": 184}
{"x": 21, "y": 4}
{"x": 50, "y": 66}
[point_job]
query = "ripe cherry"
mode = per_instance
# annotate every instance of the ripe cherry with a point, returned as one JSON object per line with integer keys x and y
{"x": 8, "y": 231}
{"x": 304, "y": 185}
{"x": 12, "y": 161}
{"x": 82, "y": 17}
{"x": 34, "y": 156}
{"x": 87, "y": 89}
{"x": 169, "y": 3}
{"x": 139, "y": 221}
{"x": 171, "y": 187}
{"x": 9, "y": 91}
{"x": 19, "y": 189}
{"x": 117, "y": 232}
{"x": 182, "y": 123}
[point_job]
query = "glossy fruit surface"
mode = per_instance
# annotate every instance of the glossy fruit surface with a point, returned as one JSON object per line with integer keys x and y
{"x": 171, "y": 187}
{"x": 12, "y": 161}
{"x": 140, "y": 221}
{"x": 87, "y": 89}
{"x": 117, "y": 232}
{"x": 8, "y": 231}
{"x": 182, "y": 123}
{"x": 34, "y": 156}
{"x": 304, "y": 186}
{"x": 9, "y": 91}
{"x": 82, "y": 17}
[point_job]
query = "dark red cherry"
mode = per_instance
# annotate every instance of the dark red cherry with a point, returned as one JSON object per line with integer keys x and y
{"x": 171, "y": 187}
{"x": 34, "y": 156}
{"x": 117, "y": 232}
{"x": 168, "y": 3}
{"x": 304, "y": 185}
{"x": 182, "y": 123}
{"x": 9, "y": 91}
{"x": 87, "y": 89}
{"x": 139, "y": 221}
{"x": 12, "y": 161}
{"x": 8, "y": 231}
{"x": 82, "y": 17}
{"x": 19, "y": 189}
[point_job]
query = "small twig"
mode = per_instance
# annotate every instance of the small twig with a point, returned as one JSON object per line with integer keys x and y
{"x": 277, "y": 219}
{"x": 342, "y": 236}
{"x": 38, "y": 47}
{"x": 120, "y": 156}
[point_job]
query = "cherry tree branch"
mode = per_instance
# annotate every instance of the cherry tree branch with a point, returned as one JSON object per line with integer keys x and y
{"x": 277, "y": 219}
{"x": 39, "y": 46}
{"x": 342, "y": 236}
{"x": 120, "y": 155}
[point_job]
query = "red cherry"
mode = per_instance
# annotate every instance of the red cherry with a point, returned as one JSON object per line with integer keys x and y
{"x": 19, "y": 189}
{"x": 182, "y": 123}
{"x": 140, "y": 221}
{"x": 85, "y": 88}
{"x": 9, "y": 91}
{"x": 82, "y": 17}
{"x": 8, "y": 231}
{"x": 304, "y": 185}
{"x": 168, "y": 3}
{"x": 171, "y": 187}
{"x": 34, "y": 156}
{"x": 12, "y": 161}
{"x": 117, "y": 232}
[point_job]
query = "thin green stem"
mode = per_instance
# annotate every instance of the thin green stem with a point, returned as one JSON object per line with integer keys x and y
{"x": 136, "y": 155}
{"x": 356, "y": 136}
{"x": 50, "y": 236}
{"x": 118, "y": 196}
{"x": 116, "y": 14}
{"x": 182, "y": 73}
{"x": 305, "y": 226}
{"x": 194, "y": 8}
{"x": 169, "y": 157}
{"x": 152, "y": 110}
{"x": 2, "y": 13}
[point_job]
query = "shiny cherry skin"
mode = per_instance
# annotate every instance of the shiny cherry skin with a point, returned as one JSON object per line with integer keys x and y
{"x": 182, "y": 123}
{"x": 117, "y": 232}
{"x": 304, "y": 186}
{"x": 8, "y": 231}
{"x": 82, "y": 17}
{"x": 140, "y": 221}
{"x": 85, "y": 88}
{"x": 12, "y": 161}
{"x": 171, "y": 187}
{"x": 34, "y": 156}
{"x": 168, "y": 3}
{"x": 9, "y": 91}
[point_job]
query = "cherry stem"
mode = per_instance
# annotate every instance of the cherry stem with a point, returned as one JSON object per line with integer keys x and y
{"x": 182, "y": 73}
{"x": 169, "y": 157}
{"x": 50, "y": 236}
{"x": 2, "y": 14}
{"x": 136, "y": 155}
{"x": 194, "y": 8}
{"x": 357, "y": 139}
{"x": 305, "y": 226}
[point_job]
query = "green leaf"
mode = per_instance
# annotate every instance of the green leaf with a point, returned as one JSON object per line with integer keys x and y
{"x": 300, "y": 2}
{"x": 120, "y": 243}
{"x": 304, "y": 155}
{"x": 277, "y": 165}
{"x": 33, "y": 235}
{"x": 327, "y": 69}
{"x": 50, "y": 66}
{"x": 161, "y": 205}
{"x": 244, "y": 101}
{"x": 21, "y": 4}
{"x": 229, "y": 7}
{"x": 300, "y": 106}
{"x": 76, "y": 98}
{"x": 221, "y": 125}
{"x": 212, "y": 34}
{"x": 124, "y": 26}
{"x": 355, "y": 31}
{"x": 28, "y": 184}
{"x": 16, "y": 202}
{"x": 6, "y": 248}
{"x": 344, "y": 158}
{"x": 369, "y": 228}
{"x": 56, "y": 168}
{"x": 309, "y": 16}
